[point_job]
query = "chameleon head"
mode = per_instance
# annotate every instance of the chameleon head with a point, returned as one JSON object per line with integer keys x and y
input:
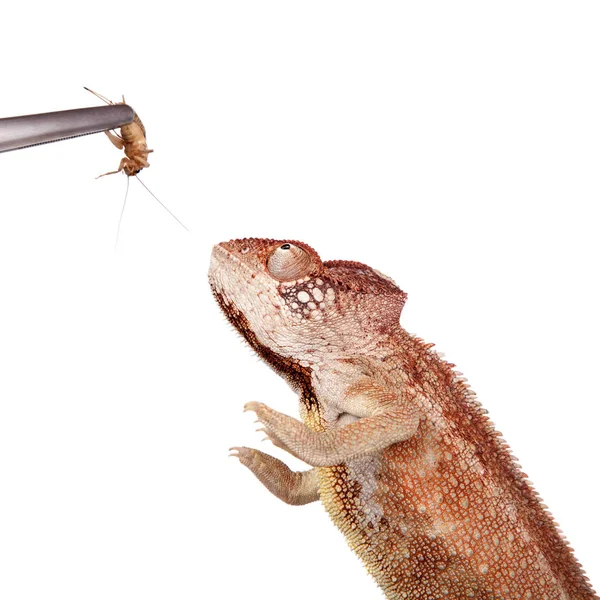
{"x": 280, "y": 295}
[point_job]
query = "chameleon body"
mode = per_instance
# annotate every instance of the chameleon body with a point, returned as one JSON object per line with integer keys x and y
{"x": 404, "y": 458}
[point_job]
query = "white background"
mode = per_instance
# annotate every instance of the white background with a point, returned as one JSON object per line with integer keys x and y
{"x": 453, "y": 145}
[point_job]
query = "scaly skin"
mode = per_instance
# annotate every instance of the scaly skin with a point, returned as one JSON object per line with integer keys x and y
{"x": 404, "y": 459}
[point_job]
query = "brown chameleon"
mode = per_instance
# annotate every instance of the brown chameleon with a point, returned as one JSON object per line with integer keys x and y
{"x": 404, "y": 459}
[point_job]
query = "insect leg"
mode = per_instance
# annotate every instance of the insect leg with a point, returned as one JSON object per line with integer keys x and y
{"x": 115, "y": 140}
{"x": 121, "y": 165}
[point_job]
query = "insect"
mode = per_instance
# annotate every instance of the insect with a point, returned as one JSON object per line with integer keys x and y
{"x": 132, "y": 140}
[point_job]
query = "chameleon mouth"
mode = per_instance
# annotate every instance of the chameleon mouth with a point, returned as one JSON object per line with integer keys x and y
{"x": 220, "y": 263}
{"x": 224, "y": 275}
{"x": 219, "y": 249}
{"x": 223, "y": 260}
{"x": 299, "y": 377}
{"x": 234, "y": 315}
{"x": 221, "y": 255}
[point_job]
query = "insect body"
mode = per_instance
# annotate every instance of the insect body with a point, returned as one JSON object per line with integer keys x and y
{"x": 132, "y": 140}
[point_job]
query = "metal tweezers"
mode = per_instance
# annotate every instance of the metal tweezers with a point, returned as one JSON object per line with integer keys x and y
{"x": 31, "y": 130}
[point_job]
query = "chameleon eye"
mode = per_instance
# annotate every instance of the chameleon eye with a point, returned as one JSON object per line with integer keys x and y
{"x": 288, "y": 262}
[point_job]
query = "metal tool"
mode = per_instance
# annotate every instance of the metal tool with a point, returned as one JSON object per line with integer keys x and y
{"x": 31, "y": 130}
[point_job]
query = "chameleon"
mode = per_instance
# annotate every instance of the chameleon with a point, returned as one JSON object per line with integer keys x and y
{"x": 403, "y": 457}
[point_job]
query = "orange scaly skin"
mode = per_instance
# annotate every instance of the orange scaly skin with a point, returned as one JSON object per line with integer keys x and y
{"x": 404, "y": 459}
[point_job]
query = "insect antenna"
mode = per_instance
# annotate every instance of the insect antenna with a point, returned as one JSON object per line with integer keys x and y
{"x": 98, "y": 95}
{"x": 148, "y": 190}
{"x": 121, "y": 216}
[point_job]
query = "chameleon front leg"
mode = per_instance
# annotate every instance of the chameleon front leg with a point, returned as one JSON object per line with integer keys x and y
{"x": 385, "y": 423}
{"x": 292, "y": 487}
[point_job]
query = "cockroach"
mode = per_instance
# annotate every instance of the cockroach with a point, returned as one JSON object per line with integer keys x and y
{"x": 132, "y": 140}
